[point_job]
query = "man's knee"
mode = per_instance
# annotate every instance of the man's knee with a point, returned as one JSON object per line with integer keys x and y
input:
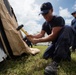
{"x": 46, "y": 56}
{"x": 62, "y": 50}
{"x": 49, "y": 52}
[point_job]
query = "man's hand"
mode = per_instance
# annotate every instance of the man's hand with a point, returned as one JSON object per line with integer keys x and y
{"x": 35, "y": 41}
{"x": 32, "y": 39}
{"x": 29, "y": 36}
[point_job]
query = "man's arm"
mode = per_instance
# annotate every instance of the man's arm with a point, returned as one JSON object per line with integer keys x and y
{"x": 51, "y": 37}
{"x": 40, "y": 35}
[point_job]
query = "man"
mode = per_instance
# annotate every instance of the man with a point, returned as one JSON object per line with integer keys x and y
{"x": 58, "y": 33}
{"x": 73, "y": 24}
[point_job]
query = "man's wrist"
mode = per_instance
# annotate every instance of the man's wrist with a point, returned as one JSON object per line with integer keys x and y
{"x": 40, "y": 40}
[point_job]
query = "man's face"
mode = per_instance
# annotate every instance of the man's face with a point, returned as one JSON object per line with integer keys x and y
{"x": 47, "y": 16}
{"x": 74, "y": 15}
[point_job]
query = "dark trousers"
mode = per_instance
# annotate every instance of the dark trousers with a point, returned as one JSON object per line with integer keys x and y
{"x": 59, "y": 50}
{"x": 74, "y": 44}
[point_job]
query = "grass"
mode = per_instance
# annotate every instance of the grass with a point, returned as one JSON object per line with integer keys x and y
{"x": 35, "y": 65}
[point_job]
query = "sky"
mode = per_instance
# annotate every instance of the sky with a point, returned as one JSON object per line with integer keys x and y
{"x": 27, "y": 12}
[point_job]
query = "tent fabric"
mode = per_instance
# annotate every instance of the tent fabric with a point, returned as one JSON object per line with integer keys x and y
{"x": 3, "y": 55}
{"x": 14, "y": 37}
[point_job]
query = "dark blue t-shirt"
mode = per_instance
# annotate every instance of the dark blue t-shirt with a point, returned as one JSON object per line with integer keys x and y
{"x": 57, "y": 21}
{"x": 73, "y": 23}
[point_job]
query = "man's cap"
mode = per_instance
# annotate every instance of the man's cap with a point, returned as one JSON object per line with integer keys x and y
{"x": 45, "y": 7}
{"x": 73, "y": 13}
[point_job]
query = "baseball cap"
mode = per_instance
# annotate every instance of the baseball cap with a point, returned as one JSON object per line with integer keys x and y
{"x": 45, "y": 7}
{"x": 73, "y": 12}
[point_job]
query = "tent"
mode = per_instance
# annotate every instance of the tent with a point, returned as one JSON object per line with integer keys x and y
{"x": 11, "y": 40}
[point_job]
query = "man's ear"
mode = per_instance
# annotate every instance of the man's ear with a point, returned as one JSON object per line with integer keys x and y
{"x": 52, "y": 10}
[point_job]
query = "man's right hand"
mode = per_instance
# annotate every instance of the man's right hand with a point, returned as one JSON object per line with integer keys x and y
{"x": 32, "y": 39}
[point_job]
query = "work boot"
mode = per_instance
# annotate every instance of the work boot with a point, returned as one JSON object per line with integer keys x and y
{"x": 51, "y": 69}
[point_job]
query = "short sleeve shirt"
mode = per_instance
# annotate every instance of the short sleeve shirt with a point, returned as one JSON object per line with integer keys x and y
{"x": 57, "y": 21}
{"x": 73, "y": 23}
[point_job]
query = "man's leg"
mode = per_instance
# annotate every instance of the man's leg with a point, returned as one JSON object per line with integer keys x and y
{"x": 74, "y": 44}
{"x": 49, "y": 52}
{"x": 63, "y": 43}
{"x": 73, "y": 48}
{"x": 61, "y": 51}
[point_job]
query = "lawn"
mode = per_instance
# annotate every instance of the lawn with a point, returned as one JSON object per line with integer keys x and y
{"x": 35, "y": 65}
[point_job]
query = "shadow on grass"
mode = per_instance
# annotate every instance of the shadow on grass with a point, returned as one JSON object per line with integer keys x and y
{"x": 69, "y": 68}
{"x": 12, "y": 63}
{"x": 34, "y": 66}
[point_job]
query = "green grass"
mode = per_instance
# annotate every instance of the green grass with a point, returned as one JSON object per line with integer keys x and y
{"x": 35, "y": 65}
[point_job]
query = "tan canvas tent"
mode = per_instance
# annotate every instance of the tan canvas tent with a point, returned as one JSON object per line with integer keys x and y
{"x": 12, "y": 40}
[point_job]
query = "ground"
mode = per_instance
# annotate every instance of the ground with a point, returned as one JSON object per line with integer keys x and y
{"x": 35, "y": 65}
